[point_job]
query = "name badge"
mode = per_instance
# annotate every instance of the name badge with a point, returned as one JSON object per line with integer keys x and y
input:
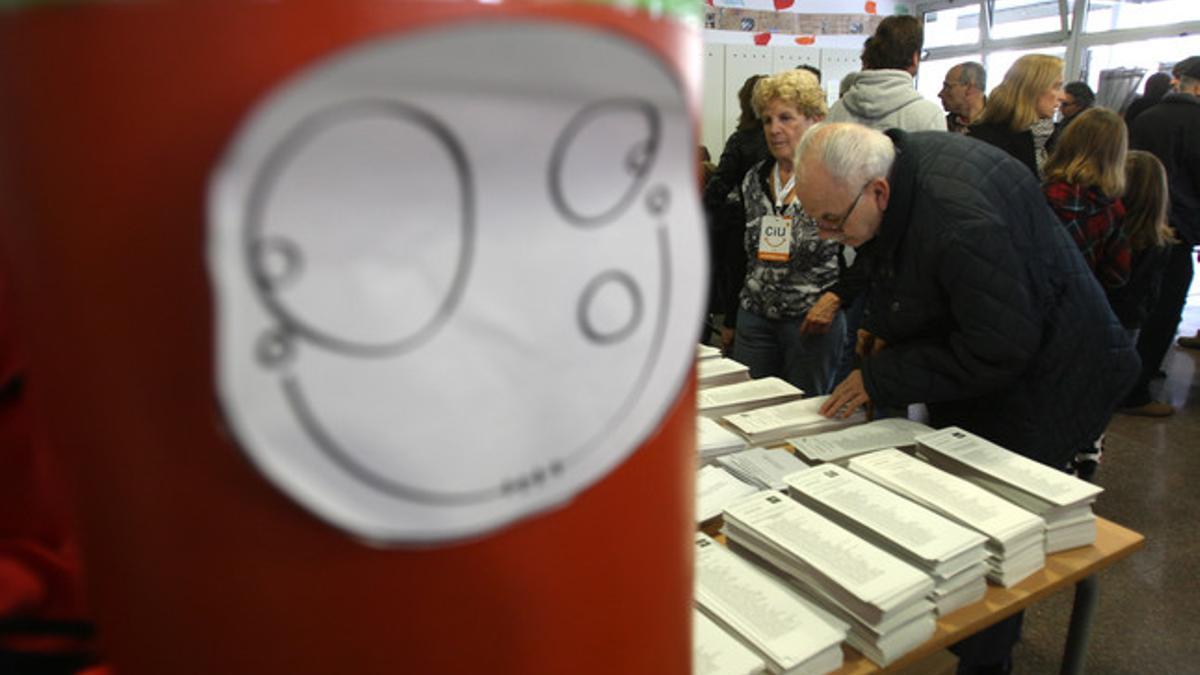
{"x": 775, "y": 238}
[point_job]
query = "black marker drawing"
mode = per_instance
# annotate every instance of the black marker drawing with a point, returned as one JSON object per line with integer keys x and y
{"x": 638, "y": 160}
{"x": 448, "y": 302}
{"x": 275, "y": 261}
{"x": 258, "y": 246}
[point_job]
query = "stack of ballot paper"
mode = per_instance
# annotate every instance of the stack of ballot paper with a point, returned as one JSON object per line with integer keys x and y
{"x": 761, "y": 467}
{"x": 715, "y": 652}
{"x": 1063, "y": 501}
{"x": 707, "y": 352}
{"x": 953, "y": 555}
{"x": 882, "y": 597}
{"x": 716, "y": 488}
{"x": 776, "y": 423}
{"x": 725, "y": 400}
{"x": 1015, "y": 536}
{"x": 718, "y": 371}
{"x": 784, "y": 629}
{"x": 834, "y": 446}
{"x": 714, "y": 440}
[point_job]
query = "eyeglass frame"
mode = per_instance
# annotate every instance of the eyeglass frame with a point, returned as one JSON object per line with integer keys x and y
{"x": 840, "y": 225}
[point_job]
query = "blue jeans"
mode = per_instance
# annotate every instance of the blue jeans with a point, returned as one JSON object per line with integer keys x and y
{"x": 775, "y": 347}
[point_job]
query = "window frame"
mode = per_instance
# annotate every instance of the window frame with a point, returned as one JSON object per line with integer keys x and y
{"x": 1076, "y": 41}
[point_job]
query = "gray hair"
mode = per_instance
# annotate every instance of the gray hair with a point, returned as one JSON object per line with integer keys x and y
{"x": 851, "y": 153}
{"x": 972, "y": 73}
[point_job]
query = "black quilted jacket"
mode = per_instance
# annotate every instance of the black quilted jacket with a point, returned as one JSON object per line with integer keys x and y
{"x": 1171, "y": 130}
{"x": 990, "y": 313}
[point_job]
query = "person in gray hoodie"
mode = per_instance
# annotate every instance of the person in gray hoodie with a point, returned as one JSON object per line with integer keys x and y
{"x": 883, "y": 96}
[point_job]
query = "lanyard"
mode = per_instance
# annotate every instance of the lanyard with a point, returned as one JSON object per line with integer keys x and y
{"x": 781, "y": 190}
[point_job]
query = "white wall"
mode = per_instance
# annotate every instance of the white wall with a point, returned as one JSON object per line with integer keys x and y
{"x": 726, "y": 67}
{"x": 731, "y": 56}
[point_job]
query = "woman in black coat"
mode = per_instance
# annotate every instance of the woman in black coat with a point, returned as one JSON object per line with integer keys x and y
{"x": 745, "y": 147}
{"x": 1019, "y": 116}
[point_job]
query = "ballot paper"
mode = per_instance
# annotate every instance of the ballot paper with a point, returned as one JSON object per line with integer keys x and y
{"x": 716, "y": 652}
{"x": 883, "y": 599}
{"x": 727, "y": 399}
{"x": 780, "y": 626}
{"x": 865, "y": 579}
{"x": 953, "y": 555}
{"x": 1029, "y": 478}
{"x": 773, "y": 424}
{"x": 832, "y": 446}
{"x": 1063, "y": 501}
{"x": 714, "y": 440}
{"x": 718, "y": 371}
{"x": 1015, "y": 536}
{"x": 716, "y": 489}
{"x": 911, "y": 531}
{"x": 762, "y": 467}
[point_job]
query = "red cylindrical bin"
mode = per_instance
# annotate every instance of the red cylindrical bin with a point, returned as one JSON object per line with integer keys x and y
{"x": 114, "y": 117}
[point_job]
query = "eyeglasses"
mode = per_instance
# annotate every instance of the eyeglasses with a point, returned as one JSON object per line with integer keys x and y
{"x": 837, "y": 225}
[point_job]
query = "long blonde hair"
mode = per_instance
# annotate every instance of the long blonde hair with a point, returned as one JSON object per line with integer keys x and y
{"x": 1014, "y": 101}
{"x": 1146, "y": 202}
{"x": 1091, "y": 153}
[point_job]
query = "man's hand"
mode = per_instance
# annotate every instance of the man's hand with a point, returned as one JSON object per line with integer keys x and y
{"x": 726, "y": 340}
{"x": 867, "y": 344}
{"x": 847, "y": 397}
{"x": 820, "y": 317}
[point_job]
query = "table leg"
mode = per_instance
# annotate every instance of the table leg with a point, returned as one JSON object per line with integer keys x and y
{"x": 1082, "y": 612}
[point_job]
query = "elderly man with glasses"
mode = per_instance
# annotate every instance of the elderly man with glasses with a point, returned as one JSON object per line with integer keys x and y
{"x": 983, "y": 306}
{"x": 989, "y": 314}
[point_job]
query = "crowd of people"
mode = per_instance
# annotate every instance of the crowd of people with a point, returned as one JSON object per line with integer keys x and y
{"x": 1017, "y": 261}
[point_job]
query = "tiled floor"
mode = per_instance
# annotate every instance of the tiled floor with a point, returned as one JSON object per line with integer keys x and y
{"x": 1148, "y": 619}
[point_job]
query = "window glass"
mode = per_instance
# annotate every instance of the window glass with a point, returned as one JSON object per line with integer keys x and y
{"x": 1016, "y": 18}
{"x": 998, "y": 63}
{"x": 1139, "y": 59}
{"x": 1106, "y": 15}
{"x": 954, "y": 26}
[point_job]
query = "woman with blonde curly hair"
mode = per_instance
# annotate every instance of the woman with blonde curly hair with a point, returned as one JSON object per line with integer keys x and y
{"x": 1019, "y": 115}
{"x": 788, "y": 265}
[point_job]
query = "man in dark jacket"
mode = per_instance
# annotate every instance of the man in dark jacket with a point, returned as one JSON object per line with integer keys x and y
{"x": 988, "y": 312}
{"x": 1171, "y": 131}
{"x": 1076, "y": 97}
{"x": 1157, "y": 86}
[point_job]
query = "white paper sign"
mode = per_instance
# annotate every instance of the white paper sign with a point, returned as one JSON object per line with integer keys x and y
{"x": 459, "y": 274}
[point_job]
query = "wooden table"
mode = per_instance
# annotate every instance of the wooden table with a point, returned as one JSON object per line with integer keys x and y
{"x": 1076, "y": 566}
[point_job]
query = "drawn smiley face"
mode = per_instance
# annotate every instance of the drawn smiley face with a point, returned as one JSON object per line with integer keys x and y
{"x": 455, "y": 292}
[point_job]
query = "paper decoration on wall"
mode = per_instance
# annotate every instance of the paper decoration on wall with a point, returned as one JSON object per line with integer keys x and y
{"x": 789, "y": 23}
{"x": 455, "y": 291}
